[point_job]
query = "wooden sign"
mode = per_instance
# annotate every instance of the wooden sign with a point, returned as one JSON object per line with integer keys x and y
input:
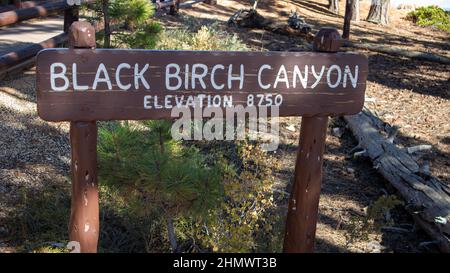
{"x": 114, "y": 84}
{"x": 83, "y": 85}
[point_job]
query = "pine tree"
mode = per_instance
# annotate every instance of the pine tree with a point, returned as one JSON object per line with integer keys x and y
{"x": 153, "y": 172}
{"x": 130, "y": 15}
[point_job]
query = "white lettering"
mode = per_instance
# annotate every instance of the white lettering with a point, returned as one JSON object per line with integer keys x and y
{"x": 200, "y": 76}
{"x": 339, "y": 76}
{"x": 284, "y": 79}
{"x": 75, "y": 80}
{"x": 263, "y": 67}
{"x": 60, "y": 75}
{"x": 105, "y": 78}
{"x": 213, "y": 73}
{"x": 353, "y": 78}
{"x": 298, "y": 74}
{"x": 175, "y": 75}
{"x": 140, "y": 76}
{"x": 119, "y": 83}
{"x": 317, "y": 76}
{"x": 239, "y": 78}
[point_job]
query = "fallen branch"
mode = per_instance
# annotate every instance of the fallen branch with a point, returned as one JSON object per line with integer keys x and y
{"x": 250, "y": 18}
{"x": 400, "y": 52}
{"x": 428, "y": 199}
{"x": 418, "y": 148}
{"x": 395, "y": 229}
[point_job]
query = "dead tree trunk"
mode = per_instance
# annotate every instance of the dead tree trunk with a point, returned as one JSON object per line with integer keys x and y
{"x": 333, "y": 6}
{"x": 355, "y": 14}
{"x": 427, "y": 198}
{"x": 378, "y": 12}
{"x": 171, "y": 234}
{"x": 429, "y": 57}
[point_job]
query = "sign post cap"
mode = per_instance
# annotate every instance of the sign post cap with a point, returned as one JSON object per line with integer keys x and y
{"x": 327, "y": 40}
{"x": 81, "y": 35}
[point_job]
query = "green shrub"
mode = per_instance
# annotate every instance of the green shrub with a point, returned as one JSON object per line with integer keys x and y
{"x": 131, "y": 12}
{"x": 38, "y": 221}
{"x": 130, "y": 23}
{"x": 154, "y": 173}
{"x": 378, "y": 215}
{"x": 219, "y": 197}
{"x": 246, "y": 219}
{"x": 431, "y": 16}
{"x": 144, "y": 36}
{"x": 206, "y": 38}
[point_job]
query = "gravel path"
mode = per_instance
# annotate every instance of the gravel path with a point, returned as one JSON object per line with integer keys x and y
{"x": 34, "y": 154}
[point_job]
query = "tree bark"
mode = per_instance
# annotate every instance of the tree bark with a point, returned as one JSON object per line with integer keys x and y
{"x": 171, "y": 234}
{"x": 18, "y": 3}
{"x": 107, "y": 29}
{"x": 355, "y": 14}
{"x": 427, "y": 198}
{"x": 418, "y": 55}
{"x": 347, "y": 18}
{"x": 378, "y": 12}
{"x": 333, "y": 6}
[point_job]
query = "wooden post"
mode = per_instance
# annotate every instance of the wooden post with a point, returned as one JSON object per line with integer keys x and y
{"x": 18, "y": 3}
{"x": 70, "y": 15}
{"x": 84, "y": 218}
{"x": 304, "y": 200}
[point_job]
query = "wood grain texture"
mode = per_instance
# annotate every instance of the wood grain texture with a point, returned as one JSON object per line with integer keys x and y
{"x": 303, "y": 207}
{"x": 116, "y": 104}
{"x": 427, "y": 198}
{"x": 84, "y": 226}
{"x": 33, "y": 10}
{"x": 14, "y": 58}
{"x": 301, "y": 223}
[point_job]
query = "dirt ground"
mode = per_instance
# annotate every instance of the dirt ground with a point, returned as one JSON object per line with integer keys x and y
{"x": 413, "y": 95}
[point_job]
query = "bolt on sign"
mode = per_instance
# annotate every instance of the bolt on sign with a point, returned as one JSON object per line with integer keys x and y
{"x": 83, "y": 85}
{"x": 114, "y": 84}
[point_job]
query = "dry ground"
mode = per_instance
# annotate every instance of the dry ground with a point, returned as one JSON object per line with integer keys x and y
{"x": 410, "y": 94}
{"x": 413, "y": 95}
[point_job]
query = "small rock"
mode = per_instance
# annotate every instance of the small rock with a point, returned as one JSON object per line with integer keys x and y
{"x": 58, "y": 245}
{"x": 3, "y": 231}
{"x": 338, "y": 132}
{"x": 291, "y": 128}
{"x": 351, "y": 170}
{"x": 374, "y": 247}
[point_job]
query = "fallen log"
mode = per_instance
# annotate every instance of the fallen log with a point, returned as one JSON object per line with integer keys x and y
{"x": 187, "y": 4}
{"x": 427, "y": 198}
{"x": 162, "y": 5}
{"x": 399, "y": 52}
{"x": 250, "y": 18}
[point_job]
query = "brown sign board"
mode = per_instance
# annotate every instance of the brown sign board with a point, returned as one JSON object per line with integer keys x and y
{"x": 115, "y": 84}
